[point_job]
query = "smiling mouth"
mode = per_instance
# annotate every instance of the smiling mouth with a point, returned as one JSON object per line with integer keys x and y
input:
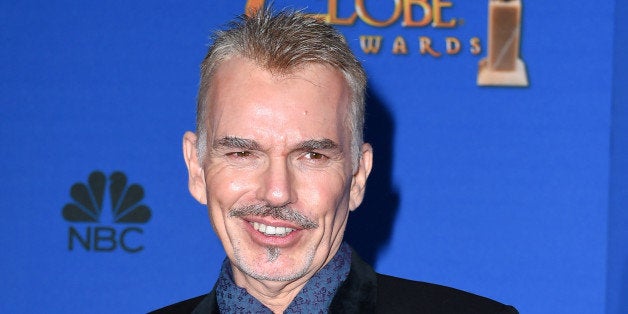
{"x": 271, "y": 230}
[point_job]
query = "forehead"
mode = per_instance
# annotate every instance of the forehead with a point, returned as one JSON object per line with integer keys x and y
{"x": 244, "y": 97}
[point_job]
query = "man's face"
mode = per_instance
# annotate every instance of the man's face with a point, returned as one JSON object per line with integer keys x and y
{"x": 278, "y": 177}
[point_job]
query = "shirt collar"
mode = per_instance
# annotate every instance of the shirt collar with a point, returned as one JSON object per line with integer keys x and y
{"x": 315, "y": 297}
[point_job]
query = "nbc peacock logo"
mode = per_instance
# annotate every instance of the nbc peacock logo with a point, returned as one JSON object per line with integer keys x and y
{"x": 87, "y": 214}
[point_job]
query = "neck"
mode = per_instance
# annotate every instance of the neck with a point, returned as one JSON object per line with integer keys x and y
{"x": 276, "y": 295}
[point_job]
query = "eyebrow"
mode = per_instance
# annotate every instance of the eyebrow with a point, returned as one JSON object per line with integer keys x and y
{"x": 317, "y": 144}
{"x": 248, "y": 144}
{"x": 236, "y": 142}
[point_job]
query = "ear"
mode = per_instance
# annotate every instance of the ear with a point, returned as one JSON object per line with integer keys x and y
{"x": 196, "y": 174}
{"x": 358, "y": 182}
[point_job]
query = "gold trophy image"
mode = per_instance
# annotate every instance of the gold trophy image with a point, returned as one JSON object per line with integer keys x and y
{"x": 502, "y": 66}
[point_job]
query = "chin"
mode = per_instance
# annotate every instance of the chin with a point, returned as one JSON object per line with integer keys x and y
{"x": 272, "y": 264}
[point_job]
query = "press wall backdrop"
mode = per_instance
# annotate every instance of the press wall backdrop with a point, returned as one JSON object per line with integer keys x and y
{"x": 517, "y": 191}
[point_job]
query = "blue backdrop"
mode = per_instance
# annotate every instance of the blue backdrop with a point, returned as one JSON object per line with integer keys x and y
{"x": 515, "y": 193}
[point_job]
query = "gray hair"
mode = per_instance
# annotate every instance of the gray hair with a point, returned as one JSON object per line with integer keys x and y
{"x": 282, "y": 42}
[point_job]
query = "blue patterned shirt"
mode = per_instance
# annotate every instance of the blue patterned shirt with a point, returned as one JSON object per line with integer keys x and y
{"x": 315, "y": 297}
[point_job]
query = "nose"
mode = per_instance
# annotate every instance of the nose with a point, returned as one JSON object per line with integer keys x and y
{"x": 276, "y": 188}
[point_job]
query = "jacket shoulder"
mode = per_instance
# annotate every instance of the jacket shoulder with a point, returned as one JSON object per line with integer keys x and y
{"x": 186, "y": 306}
{"x": 397, "y": 295}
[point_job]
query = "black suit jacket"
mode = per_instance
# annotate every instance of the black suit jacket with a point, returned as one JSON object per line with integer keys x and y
{"x": 365, "y": 291}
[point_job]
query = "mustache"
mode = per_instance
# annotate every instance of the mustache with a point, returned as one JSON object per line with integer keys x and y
{"x": 284, "y": 213}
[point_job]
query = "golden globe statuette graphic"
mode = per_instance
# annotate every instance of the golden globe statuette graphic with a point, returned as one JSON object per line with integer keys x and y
{"x": 502, "y": 66}
{"x": 252, "y": 6}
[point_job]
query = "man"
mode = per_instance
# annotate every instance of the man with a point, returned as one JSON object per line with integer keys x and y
{"x": 279, "y": 160}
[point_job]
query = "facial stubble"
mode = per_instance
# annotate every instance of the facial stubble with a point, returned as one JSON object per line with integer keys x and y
{"x": 285, "y": 213}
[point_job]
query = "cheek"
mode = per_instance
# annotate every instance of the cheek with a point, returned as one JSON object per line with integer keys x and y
{"x": 225, "y": 189}
{"x": 236, "y": 186}
{"x": 325, "y": 195}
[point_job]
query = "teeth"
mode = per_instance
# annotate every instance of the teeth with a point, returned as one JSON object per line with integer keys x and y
{"x": 271, "y": 230}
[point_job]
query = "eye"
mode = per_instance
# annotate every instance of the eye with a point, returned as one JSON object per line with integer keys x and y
{"x": 314, "y": 156}
{"x": 242, "y": 154}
